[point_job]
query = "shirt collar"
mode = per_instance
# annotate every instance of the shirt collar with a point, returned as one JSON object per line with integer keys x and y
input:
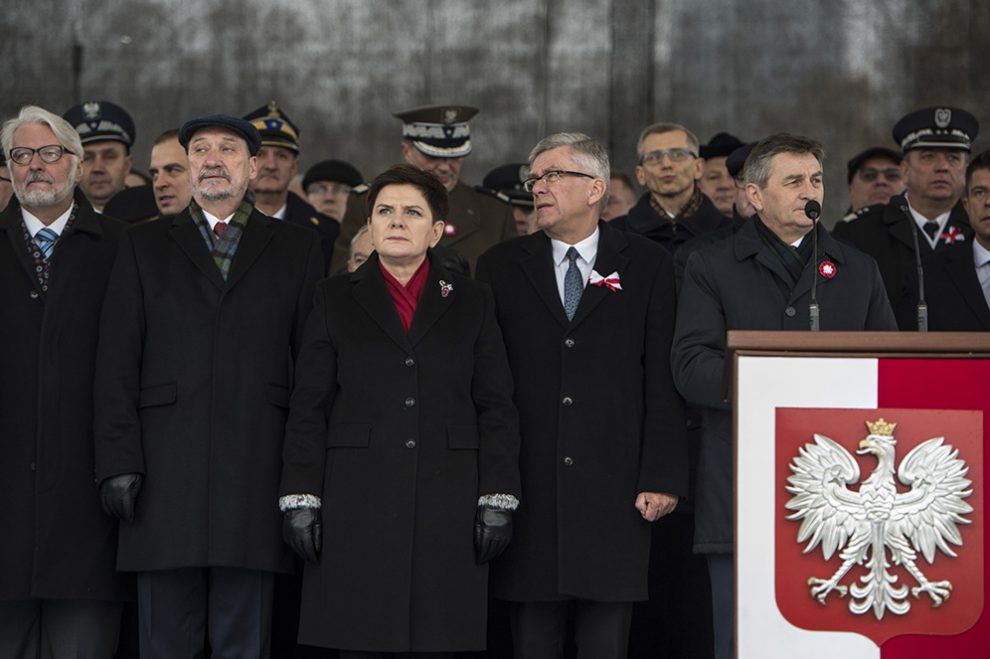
{"x": 280, "y": 213}
{"x": 34, "y": 225}
{"x": 587, "y": 249}
{"x": 981, "y": 255}
{"x": 921, "y": 220}
{"x": 213, "y": 219}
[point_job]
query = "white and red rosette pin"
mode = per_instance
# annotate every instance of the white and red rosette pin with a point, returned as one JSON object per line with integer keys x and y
{"x": 611, "y": 282}
{"x": 826, "y": 269}
{"x": 951, "y": 235}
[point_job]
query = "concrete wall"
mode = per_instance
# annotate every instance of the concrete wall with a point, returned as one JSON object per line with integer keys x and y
{"x": 842, "y": 71}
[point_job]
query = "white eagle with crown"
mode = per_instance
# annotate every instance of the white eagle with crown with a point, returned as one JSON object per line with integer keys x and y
{"x": 877, "y": 526}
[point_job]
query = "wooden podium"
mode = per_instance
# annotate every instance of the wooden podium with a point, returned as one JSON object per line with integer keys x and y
{"x": 788, "y": 387}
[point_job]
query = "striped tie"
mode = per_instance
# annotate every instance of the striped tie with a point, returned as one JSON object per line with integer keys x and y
{"x": 46, "y": 242}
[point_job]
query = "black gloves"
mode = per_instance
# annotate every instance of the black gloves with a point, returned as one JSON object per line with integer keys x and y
{"x": 118, "y": 495}
{"x": 492, "y": 533}
{"x": 302, "y": 530}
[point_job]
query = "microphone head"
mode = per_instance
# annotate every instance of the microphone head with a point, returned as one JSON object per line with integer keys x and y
{"x": 813, "y": 209}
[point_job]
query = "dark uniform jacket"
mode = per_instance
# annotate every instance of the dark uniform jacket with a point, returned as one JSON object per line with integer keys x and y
{"x": 192, "y": 389}
{"x": 299, "y": 211}
{"x": 734, "y": 283}
{"x": 884, "y": 232}
{"x": 399, "y": 434}
{"x": 476, "y": 222}
{"x": 642, "y": 219}
{"x": 599, "y": 417}
{"x": 953, "y": 293}
{"x": 57, "y": 543}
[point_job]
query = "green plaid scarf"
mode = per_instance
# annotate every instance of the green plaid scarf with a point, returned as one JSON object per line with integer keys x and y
{"x": 224, "y": 248}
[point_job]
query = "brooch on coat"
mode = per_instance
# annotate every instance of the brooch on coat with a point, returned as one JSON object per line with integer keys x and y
{"x": 611, "y": 282}
{"x": 951, "y": 235}
{"x": 445, "y": 288}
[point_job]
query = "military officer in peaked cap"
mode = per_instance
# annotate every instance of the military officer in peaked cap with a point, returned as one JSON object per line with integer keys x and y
{"x": 278, "y": 162}
{"x": 936, "y": 143}
{"x": 506, "y": 183}
{"x": 436, "y": 139}
{"x": 107, "y": 134}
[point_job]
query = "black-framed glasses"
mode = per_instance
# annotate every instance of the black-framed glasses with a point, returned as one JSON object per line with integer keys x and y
{"x": 551, "y": 177}
{"x": 21, "y": 155}
{"x": 870, "y": 174}
{"x": 675, "y": 155}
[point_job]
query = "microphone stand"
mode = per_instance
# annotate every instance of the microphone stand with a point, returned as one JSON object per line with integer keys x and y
{"x": 922, "y": 305}
{"x": 814, "y": 210}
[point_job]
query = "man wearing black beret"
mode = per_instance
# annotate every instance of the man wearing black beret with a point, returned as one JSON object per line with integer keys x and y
{"x": 874, "y": 176}
{"x": 716, "y": 183}
{"x": 200, "y": 328}
{"x": 936, "y": 143}
{"x": 328, "y": 185}
{"x": 107, "y": 133}
{"x": 278, "y": 162}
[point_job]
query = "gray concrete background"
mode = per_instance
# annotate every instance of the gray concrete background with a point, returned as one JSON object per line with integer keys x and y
{"x": 842, "y": 71}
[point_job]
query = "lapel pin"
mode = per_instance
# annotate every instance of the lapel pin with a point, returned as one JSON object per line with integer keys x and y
{"x": 951, "y": 235}
{"x": 445, "y": 288}
{"x": 611, "y": 282}
{"x": 826, "y": 269}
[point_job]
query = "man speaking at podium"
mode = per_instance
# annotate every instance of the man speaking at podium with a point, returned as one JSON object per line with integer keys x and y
{"x": 779, "y": 271}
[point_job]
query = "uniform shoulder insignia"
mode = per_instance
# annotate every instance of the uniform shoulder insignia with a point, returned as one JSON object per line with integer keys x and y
{"x": 504, "y": 198}
{"x": 315, "y": 221}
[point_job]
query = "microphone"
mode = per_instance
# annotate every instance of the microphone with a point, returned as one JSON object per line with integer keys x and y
{"x": 813, "y": 210}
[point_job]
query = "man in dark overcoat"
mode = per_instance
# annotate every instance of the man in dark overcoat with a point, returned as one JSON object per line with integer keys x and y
{"x": 936, "y": 143}
{"x": 59, "y": 593}
{"x": 760, "y": 278}
{"x": 587, "y": 313}
{"x": 202, "y": 320}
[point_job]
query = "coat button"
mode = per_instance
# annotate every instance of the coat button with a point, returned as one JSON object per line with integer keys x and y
{"x": 410, "y": 361}
{"x": 410, "y": 401}
{"x": 568, "y": 461}
{"x": 33, "y": 294}
{"x": 567, "y": 401}
{"x": 410, "y": 443}
{"x": 568, "y": 342}
{"x": 790, "y": 311}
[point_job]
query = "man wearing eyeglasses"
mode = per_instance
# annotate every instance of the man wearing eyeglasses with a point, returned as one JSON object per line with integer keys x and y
{"x": 60, "y": 595}
{"x": 936, "y": 143}
{"x": 673, "y": 209}
{"x": 587, "y": 314}
{"x": 874, "y": 176}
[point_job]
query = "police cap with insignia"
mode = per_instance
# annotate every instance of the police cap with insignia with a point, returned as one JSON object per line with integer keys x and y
{"x": 243, "y": 129}
{"x": 737, "y": 159}
{"x": 939, "y": 127}
{"x": 334, "y": 171}
{"x": 439, "y": 131}
{"x": 873, "y": 152}
{"x": 98, "y": 121}
{"x": 721, "y": 145}
{"x": 275, "y": 127}
{"x": 508, "y": 180}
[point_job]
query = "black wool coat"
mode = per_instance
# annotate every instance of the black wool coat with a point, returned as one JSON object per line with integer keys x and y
{"x": 645, "y": 221}
{"x": 192, "y": 389}
{"x": 399, "y": 434}
{"x": 599, "y": 417}
{"x": 734, "y": 283}
{"x": 301, "y": 212}
{"x": 57, "y": 543}
{"x": 884, "y": 232}
{"x": 953, "y": 293}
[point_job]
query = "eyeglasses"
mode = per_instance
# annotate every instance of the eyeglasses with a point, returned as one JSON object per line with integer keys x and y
{"x": 328, "y": 188}
{"x": 21, "y": 155}
{"x": 870, "y": 174}
{"x": 551, "y": 177}
{"x": 675, "y": 155}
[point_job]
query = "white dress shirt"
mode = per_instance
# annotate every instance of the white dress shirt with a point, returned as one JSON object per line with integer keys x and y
{"x": 34, "y": 225}
{"x": 921, "y": 221}
{"x": 981, "y": 259}
{"x": 213, "y": 219}
{"x": 587, "y": 253}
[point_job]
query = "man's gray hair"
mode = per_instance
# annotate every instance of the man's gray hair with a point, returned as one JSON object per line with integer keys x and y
{"x": 757, "y": 167}
{"x": 586, "y": 152}
{"x": 32, "y": 114}
{"x": 660, "y": 129}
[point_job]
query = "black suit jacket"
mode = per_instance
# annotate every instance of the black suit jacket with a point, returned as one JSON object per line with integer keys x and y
{"x": 298, "y": 211}
{"x": 599, "y": 416}
{"x": 953, "y": 293}
{"x": 192, "y": 389}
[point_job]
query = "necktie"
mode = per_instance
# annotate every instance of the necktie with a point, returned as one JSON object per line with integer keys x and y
{"x": 573, "y": 286}
{"x": 219, "y": 228}
{"x": 931, "y": 228}
{"x": 46, "y": 242}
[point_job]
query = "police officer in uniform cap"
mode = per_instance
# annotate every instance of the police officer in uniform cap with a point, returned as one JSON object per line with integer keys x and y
{"x": 107, "y": 133}
{"x": 506, "y": 183}
{"x": 277, "y": 164}
{"x": 436, "y": 139}
{"x": 936, "y": 143}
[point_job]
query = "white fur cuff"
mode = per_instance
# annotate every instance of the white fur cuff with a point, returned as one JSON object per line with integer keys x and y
{"x": 499, "y": 501}
{"x": 294, "y": 501}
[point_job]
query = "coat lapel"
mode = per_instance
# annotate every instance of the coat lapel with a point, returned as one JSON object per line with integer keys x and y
{"x": 190, "y": 240}
{"x": 747, "y": 244}
{"x": 828, "y": 249}
{"x": 609, "y": 259}
{"x": 537, "y": 263}
{"x": 371, "y": 293}
{"x": 959, "y": 265}
{"x": 257, "y": 234}
{"x": 432, "y": 304}
{"x": 10, "y": 223}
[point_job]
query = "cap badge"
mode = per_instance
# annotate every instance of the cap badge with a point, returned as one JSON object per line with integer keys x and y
{"x": 273, "y": 124}
{"x": 449, "y": 115}
{"x": 445, "y": 288}
{"x": 826, "y": 269}
{"x": 91, "y": 110}
{"x": 943, "y": 117}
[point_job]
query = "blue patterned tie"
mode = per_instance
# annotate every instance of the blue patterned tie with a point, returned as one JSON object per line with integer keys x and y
{"x": 573, "y": 285}
{"x": 46, "y": 242}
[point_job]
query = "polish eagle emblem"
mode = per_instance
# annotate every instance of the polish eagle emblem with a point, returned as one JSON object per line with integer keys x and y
{"x": 878, "y": 526}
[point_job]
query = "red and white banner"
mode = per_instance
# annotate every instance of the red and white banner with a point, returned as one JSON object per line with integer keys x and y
{"x": 861, "y": 541}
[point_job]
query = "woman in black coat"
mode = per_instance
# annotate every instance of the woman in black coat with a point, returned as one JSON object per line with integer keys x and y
{"x": 401, "y": 433}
